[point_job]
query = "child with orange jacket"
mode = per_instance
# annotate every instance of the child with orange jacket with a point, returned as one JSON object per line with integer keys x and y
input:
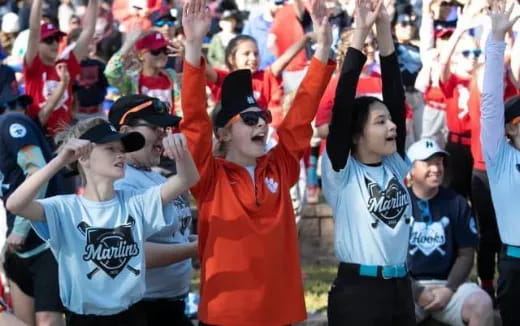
{"x": 250, "y": 266}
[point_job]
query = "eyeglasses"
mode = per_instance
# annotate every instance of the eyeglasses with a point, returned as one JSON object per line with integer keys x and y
{"x": 476, "y": 53}
{"x": 406, "y": 23}
{"x": 51, "y": 39}
{"x": 158, "y": 107}
{"x": 163, "y": 22}
{"x": 159, "y": 51}
{"x": 251, "y": 118}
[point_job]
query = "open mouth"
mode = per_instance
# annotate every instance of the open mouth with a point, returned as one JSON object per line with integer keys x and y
{"x": 259, "y": 139}
{"x": 120, "y": 165}
{"x": 390, "y": 139}
{"x": 157, "y": 148}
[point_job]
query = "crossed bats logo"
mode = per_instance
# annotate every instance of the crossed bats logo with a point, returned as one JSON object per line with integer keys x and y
{"x": 110, "y": 249}
{"x": 387, "y": 205}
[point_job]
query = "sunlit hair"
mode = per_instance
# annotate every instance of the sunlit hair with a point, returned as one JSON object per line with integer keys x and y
{"x": 74, "y": 132}
{"x": 232, "y": 47}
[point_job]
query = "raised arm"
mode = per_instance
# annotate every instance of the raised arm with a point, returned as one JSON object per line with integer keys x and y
{"x": 492, "y": 100}
{"x": 393, "y": 90}
{"x": 283, "y": 61}
{"x": 81, "y": 48}
{"x": 295, "y": 131}
{"x": 35, "y": 18}
{"x": 164, "y": 254}
{"x": 465, "y": 22}
{"x": 22, "y": 201}
{"x": 339, "y": 140}
{"x": 54, "y": 99}
{"x": 196, "y": 124}
{"x": 176, "y": 148}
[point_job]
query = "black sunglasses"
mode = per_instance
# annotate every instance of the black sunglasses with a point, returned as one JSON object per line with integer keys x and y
{"x": 51, "y": 39}
{"x": 159, "y": 51}
{"x": 251, "y": 118}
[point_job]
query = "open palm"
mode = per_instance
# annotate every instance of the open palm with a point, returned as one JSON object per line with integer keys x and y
{"x": 501, "y": 20}
{"x": 196, "y": 19}
{"x": 366, "y": 13}
{"x": 322, "y": 29}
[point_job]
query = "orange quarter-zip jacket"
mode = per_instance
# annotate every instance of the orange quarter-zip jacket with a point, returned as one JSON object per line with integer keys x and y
{"x": 248, "y": 247}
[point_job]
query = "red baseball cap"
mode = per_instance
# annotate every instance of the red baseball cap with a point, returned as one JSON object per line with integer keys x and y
{"x": 48, "y": 30}
{"x": 153, "y": 41}
{"x": 443, "y": 32}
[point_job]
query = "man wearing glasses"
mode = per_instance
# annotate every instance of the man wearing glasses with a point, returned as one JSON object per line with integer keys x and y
{"x": 443, "y": 239}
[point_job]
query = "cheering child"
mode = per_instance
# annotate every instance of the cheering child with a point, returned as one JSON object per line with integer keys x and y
{"x": 97, "y": 238}
{"x": 363, "y": 170}
{"x": 250, "y": 267}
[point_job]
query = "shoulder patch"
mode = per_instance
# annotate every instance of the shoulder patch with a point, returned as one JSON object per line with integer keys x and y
{"x": 16, "y": 130}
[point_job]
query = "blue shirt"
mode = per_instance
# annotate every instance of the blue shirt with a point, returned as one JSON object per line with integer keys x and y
{"x": 258, "y": 28}
{"x": 371, "y": 209}
{"x": 440, "y": 227}
{"x": 99, "y": 247}
{"x": 174, "y": 280}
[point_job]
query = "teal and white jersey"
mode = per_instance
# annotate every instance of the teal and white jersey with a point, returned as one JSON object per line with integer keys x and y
{"x": 99, "y": 247}
{"x": 372, "y": 211}
{"x": 174, "y": 280}
{"x": 502, "y": 159}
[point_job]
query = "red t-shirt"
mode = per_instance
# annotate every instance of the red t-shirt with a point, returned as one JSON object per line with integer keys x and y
{"x": 368, "y": 86}
{"x": 456, "y": 91}
{"x": 267, "y": 89}
{"x": 41, "y": 81}
{"x": 434, "y": 98}
{"x": 288, "y": 30}
{"x": 474, "y": 111}
{"x": 160, "y": 87}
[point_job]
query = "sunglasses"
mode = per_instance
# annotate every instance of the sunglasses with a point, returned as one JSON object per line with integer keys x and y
{"x": 158, "y": 107}
{"x": 476, "y": 53}
{"x": 159, "y": 51}
{"x": 251, "y": 118}
{"x": 405, "y": 23}
{"x": 51, "y": 39}
{"x": 164, "y": 22}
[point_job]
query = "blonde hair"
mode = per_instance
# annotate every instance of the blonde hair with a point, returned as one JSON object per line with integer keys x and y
{"x": 345, "y": 40}
{"x": 74, "y": 132}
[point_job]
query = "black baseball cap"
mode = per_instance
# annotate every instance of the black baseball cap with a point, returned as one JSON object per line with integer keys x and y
{"x": 106, "y": 133}
{"x": 237, "y": 96}
{"x": 512, "y": 109}
{"x": 149, "y": 109}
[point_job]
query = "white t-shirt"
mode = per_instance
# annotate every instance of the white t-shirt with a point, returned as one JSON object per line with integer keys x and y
{"x": 99, "y": 247}
{"x": 371, "y": 209}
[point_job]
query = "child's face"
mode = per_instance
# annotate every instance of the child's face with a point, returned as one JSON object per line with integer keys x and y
{"x": 246, "y": 56}
{"x": 380, "y": 133}
{"x": 106, "y": 160}
{"x": 155, "y": 59}
{"x": 48, "y": 49}
{"x": 247, "y": 142}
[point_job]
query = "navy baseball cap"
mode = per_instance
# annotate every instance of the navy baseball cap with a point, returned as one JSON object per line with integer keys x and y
{"x": 106, "y": 133}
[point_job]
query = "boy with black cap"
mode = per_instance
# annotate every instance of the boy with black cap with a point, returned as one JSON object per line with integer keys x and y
{"x": 500, "y": 138}
{"x": 250, "y": 267}
{"x": 442, "y": 246}
{"x": 168, "y": 286}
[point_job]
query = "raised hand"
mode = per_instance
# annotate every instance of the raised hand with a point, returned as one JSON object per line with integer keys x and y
{"x": 196, "y": 20}
{"x": 175, "y": 146}
{"x": 501, "y": 21}
{"x": 75, "y": 149}
{"x": 367, "y": 13}
{"x": 63, "y": 72}
{"x": 320, "y": 20}
{"x": 383, "y": 18}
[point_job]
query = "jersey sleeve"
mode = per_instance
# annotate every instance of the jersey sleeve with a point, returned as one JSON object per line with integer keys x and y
{"x": 148, "y": 207}
{"x": 17, "y": 133}
{"x": 51, "y": 229}
{"x": 333, "y": 181}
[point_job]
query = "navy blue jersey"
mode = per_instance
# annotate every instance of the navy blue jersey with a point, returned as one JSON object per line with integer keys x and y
{"x": 441, "y": 226}
{"x": 17, "y": 131}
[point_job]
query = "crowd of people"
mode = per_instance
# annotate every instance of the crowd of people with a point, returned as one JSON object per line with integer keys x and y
{"x": 118, "y": 117}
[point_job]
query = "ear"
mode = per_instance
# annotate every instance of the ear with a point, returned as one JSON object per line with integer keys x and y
{"x": 224, "y": 134}
{"x": 511, "y": 130}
